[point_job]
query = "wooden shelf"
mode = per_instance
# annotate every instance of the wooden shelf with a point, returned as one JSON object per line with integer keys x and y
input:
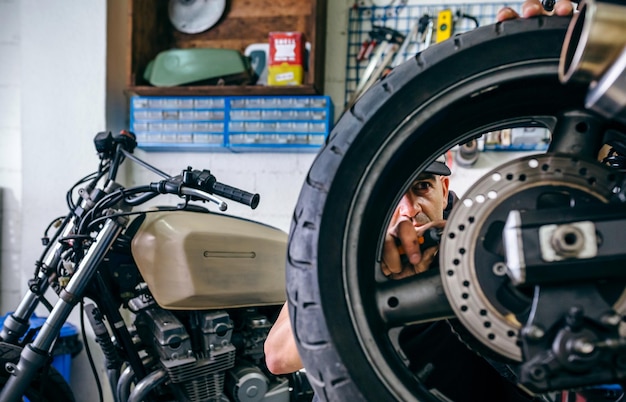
{"x": 245, "y": 22}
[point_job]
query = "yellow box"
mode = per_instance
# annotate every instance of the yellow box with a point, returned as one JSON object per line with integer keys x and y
{"x": 285, "y": 74}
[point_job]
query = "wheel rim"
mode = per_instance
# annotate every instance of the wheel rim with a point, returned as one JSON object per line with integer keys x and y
{"x": 361, "y": 278}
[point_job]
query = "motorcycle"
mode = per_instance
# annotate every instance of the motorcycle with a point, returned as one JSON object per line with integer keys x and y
{"x": 530, "y": 265}
{"x": 180, "y": 298}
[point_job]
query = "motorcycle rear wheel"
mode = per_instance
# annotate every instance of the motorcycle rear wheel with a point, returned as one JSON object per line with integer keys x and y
{"x": 504, "y": 75}
{"x": 47, "y": 387}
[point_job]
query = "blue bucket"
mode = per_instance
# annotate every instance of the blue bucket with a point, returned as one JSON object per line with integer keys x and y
{"x": 67, "y": 346}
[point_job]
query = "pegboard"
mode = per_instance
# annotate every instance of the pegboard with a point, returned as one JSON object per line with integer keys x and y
{"x": 401, "y": 17}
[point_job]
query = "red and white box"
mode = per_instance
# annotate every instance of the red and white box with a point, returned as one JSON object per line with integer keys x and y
{"x": 286, "y": 58}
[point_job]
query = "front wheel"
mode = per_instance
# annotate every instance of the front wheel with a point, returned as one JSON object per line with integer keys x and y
{"x": 48, "y": 386}
{"x": 363, "y": 337}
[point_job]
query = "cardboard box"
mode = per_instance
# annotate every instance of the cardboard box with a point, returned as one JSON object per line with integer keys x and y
{"x": 286, "y": 58}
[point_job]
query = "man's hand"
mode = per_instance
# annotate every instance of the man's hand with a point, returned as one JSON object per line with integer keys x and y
{"x": 403, "y": 235}
{"x": 533, "y": 8}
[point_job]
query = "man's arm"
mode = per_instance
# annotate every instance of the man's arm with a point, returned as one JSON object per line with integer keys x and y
{"x": 281, "y": 352}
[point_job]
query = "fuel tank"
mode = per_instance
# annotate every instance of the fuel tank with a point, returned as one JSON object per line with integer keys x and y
{"x": 202, "y": 260}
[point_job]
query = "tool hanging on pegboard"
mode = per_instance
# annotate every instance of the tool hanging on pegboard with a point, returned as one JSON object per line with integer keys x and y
{"x": 446, "y": 23}
{"x": 421, "y": 33}
{"x": 384, "y": 4}
{"x": 386, "y": 42}
{"x": 371, "y": 57}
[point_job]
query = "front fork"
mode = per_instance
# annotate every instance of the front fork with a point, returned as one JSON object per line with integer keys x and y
{"x": 36, "y": 354}
{"x": 17, "y": 323}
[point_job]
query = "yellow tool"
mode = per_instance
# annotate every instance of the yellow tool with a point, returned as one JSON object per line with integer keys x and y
{"x": 444, "y": 25}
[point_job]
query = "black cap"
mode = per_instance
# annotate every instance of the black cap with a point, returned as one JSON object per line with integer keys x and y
{"x": 439, "y": 167}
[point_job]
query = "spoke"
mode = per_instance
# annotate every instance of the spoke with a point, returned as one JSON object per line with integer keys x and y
{"x": 577, "y": 133}
{"x": 419, "y": 298}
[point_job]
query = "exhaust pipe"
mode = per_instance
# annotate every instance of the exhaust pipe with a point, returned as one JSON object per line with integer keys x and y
{"x": 594, "y": 52}
{"x": 595, "y": 38}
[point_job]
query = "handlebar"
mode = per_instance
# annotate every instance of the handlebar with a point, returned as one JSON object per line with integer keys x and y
{"x": 202, "y": 185}
{"x": 103, "y": 197}
{"x": 193, "y": 184}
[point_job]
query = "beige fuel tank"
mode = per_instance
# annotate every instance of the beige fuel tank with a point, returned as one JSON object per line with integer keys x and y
{"x": 198, "y": 260}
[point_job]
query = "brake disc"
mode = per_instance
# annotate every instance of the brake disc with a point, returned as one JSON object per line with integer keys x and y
{"x": 472, "y": 257}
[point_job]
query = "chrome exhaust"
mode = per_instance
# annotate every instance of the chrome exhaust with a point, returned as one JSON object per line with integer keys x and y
{"x": 595, "y": 38}
{"x": 594, "y": 51}
{"x": 608, "y": 96}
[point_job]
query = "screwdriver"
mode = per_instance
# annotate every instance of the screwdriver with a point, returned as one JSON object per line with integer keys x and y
{"x": 431, "y": 237}
{"x": 548, "y": 5}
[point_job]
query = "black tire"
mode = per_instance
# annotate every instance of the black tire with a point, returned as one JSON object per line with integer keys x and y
{"x": 48, "y": 386}
{"x": 493, "y": 76}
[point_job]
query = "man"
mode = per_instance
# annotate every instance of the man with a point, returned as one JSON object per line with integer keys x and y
{"x": 425, "y": 205}
{"x": 421, "y": 207}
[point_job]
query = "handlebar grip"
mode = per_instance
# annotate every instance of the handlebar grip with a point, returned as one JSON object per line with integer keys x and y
{"x": 235, "y": 194}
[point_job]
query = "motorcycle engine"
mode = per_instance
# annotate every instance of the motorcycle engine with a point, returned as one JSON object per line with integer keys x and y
{"x": 212, "y": 355}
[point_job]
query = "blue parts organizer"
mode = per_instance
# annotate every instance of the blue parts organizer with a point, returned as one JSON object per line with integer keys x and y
{"x": 231, "y": 123}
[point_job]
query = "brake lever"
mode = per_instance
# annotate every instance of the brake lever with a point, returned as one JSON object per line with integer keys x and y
{"x": 193, "y": 192}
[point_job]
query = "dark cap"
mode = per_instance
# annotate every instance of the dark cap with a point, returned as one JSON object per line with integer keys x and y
{"x": 439, "y": 167}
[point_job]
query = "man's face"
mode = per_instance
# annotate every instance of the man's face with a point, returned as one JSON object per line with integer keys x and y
{"x": 426, "y": 199}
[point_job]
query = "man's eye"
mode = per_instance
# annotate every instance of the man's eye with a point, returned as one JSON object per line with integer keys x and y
{"x": 421, "y": 186}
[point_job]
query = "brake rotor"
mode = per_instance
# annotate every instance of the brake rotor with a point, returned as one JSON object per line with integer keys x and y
{"x": 473, "y": 267}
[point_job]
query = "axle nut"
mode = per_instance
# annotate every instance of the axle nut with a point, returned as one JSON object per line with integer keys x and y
{"x": 568, "y": 240}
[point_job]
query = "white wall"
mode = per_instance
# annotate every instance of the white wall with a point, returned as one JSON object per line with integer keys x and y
{"x": 63, "y": 95}
{"x": 10, "y": 151}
